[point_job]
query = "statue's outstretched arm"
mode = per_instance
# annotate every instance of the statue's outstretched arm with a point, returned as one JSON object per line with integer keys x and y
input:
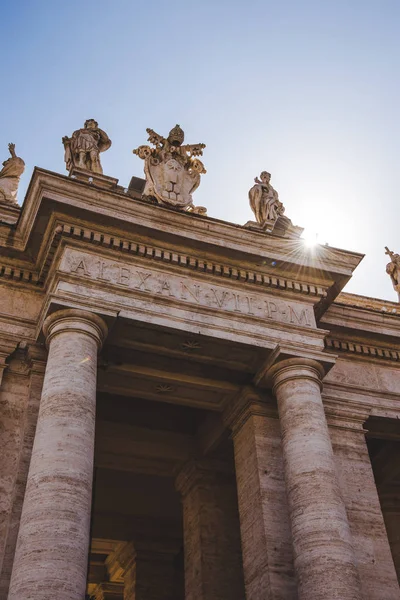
{"x": 11, "y": 148}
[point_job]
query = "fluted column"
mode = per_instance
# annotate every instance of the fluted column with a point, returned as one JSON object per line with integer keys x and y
{"x": 324, "y": 557}
{"x": 51, "y": 555}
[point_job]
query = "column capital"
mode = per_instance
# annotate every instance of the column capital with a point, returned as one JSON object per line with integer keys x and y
{"x": 293, "y": 369}
{"x": 72, "y": 319}
{"x": 249, "y": 403}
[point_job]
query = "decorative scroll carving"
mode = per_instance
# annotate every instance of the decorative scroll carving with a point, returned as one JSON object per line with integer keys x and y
{"x": 10, "y": 175}
{"x": 82, "y": 149}
{"x": 172, "y": 170}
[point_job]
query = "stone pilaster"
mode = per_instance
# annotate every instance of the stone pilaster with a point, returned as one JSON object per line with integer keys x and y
{"x": 25, "y": 372}
{"x": 51, "y": 555}
{"x": 357, "y": 484}
{"x": 14, "y": 393}
{"x": 213, "y": 565}
{"x": 324, "y": 557}
{"x": 264, "y": 519}
{"x": 146, "y": 569}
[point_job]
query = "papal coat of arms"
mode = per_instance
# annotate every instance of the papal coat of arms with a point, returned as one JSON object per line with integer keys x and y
{"x": 172, "y": 170}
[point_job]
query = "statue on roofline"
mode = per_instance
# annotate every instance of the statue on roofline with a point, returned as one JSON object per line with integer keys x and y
{"x": 10, "y": 175}
{"x": 393, "y": 269}
{"x": 82, "y": 149}
{"x": 264, "y": 202}
{"x": 172, "y": 170}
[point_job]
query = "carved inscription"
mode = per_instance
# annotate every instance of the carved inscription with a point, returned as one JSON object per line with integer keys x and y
{"x": 184, "y": 289}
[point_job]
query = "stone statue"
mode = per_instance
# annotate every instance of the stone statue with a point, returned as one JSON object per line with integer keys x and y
{"x": 10, "y": 175}
{"x": 82, "y": 150}
{"x": 264, "y": 202}
{"x": 393, "y": 269}
{"x": 171, "y": 169}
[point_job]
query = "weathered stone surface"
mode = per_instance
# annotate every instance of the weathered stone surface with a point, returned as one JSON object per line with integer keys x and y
{"x": 51, "y": 555}
{"x": 213, "y": 564}
{"x": 198, "y": 308}
{"x": 264, "y": 518}
{"x": 36, "y": 373}
{"x": 14, "y": 394}
{"x": 324, "y": 557}
{"x": 357, "y": 485}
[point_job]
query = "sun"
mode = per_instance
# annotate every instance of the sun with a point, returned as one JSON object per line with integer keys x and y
{"x": 310, "y": 238}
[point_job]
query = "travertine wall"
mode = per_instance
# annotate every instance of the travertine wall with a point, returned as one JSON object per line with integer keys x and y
{"x": 264, "y": 516}
{"x": 213, "y": 562}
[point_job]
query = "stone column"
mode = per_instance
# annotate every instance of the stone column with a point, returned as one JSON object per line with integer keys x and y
{"x": 323, "y": 553}
{"x": 213, "y": 564}
{"x": 264, "y": 518}
{"x": 52, "y": 548}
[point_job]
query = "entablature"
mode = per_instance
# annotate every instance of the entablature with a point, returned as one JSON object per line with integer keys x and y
{"x": 115, "y": 219}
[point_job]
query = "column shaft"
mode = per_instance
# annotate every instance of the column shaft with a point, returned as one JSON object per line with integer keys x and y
{"x": 51, "y": 555}
{"x": 324, "y": 557}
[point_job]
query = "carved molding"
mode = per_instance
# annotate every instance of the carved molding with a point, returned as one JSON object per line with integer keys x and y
{"x": 360, "y": 349}
{"x": 248, "y": 403}
{"x": 67, "y": 230}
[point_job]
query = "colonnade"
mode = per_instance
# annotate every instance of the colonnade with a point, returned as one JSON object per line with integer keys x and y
{"x": 52, "y": 549}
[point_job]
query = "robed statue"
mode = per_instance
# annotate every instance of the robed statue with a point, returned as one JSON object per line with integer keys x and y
{"x": 82, "y": 149}
{"x": 264, "y": 202}
{"x": 393, "y": 269}
{"x": 10, "y": 175}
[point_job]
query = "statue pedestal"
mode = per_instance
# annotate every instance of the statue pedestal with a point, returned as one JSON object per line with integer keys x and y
{"x": 9, "y": 213}
{"x": 95, "y": 179}
{"x": 282, "y": 227}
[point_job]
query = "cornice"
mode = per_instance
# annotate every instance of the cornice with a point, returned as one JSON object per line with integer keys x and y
{"x": 123, "y": 208}
{"x": 95, "y": 237}
{"x": 367, "y": 303}
{"x": 362, "y": 350}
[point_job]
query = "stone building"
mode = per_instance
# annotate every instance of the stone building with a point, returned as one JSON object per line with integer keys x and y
{"x": 189, "y": 408}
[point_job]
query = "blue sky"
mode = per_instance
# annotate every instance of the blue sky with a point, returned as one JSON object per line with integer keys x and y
{"x": 308, "y": 90}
